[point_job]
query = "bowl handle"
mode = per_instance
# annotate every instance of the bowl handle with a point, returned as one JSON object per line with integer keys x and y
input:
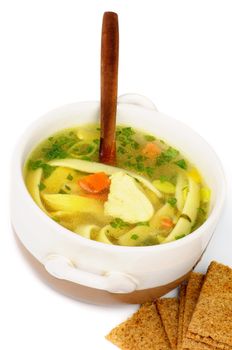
{"x": 138, "y": 100}
{"x": 113, "y": 281}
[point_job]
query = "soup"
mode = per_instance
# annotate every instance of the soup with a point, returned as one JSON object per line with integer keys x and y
{"x": 153, "y": 195}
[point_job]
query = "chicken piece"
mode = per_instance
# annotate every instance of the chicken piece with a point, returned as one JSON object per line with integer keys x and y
{"x": 127, "y": 200}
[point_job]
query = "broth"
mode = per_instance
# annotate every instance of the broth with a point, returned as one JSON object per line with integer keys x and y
{"x": 154, "y": 195}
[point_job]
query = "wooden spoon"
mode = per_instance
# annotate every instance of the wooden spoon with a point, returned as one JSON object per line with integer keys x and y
{"x": 109, "y": 87}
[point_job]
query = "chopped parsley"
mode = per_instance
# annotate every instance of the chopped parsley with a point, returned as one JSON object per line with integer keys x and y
{"x": 55, "y": 152}
{"x": 33, "y": 165}
{"x": 163, "y": 178}
{"x": 125, "y": 137}
{"x": 201, "y": 211}
{"x": 172, "y": 179}
{"x": 121, "y": 150}
{"x": 86, "y": 158}
{"x": 67, "y": 187}
{"x": 180, "y": 236}
{"x": 149, "y": 138}
{"x": 139, "y": 165}
{"x": 143, "y": 223}
{"x": 126, "y": 132}
{"x": 41, "y": 186}
{"x": 172, "y": 201}
{"x": 96, "y": 141}
{"x": 134, "y": 237}
{"x": 167, "y": 156}
{"x": 55, "y": 218}
{"x": 181, "y": 163}
{"x": 60, "y": 146}
{"x": 62, "y": 191}
{"x": 118, "y": 223}
{"x": 47, "y": 169}
{"x": 82, "y": 149}
{"x": 149, "y": 171}
{"x": 140, "y": 158}
{"x": 201, "y": 217}
{"x": 69, "y": 177}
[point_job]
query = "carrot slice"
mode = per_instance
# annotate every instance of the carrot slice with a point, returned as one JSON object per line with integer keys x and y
{"x": 167, "y": 223}
{"x": 151, "y": 150}
{"x": 95, "y": 183}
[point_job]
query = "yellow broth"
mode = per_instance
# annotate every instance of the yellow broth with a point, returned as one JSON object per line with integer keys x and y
{"x": 154, "y": 196}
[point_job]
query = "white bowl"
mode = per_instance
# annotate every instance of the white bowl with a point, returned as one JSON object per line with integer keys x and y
{"x": 126, "y": 273}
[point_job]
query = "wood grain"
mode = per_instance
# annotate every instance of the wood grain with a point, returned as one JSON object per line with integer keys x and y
{"x": 109, "y": 87}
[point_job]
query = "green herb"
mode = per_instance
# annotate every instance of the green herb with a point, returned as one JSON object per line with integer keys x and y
{"x": 143, "y": 223}
{"x": 50, "y": 138}
{"x": 140, "y": 158}
{"x": 163, "y": 178}
{"x": 96, "y": 141}
{"x": 180, "y": 236}
{"x": 149, "y": 138}
{"x": 129, "y": 164}
{"x": 134, "y": 237}
{"x": 67, "y": 187}
{"x": 134, "y": 145}
{"x": 172, "y": 201}
{"x": 82, "y": 149}
{"x": 124, "y": 136}
{"x": 139, "y": 166}
{"x": 201, "y": 211}
{"x": 62, "y": 191}
{"x": 181, "y": 163}
{"x": 86, "y": 158}
{"x": 98, "y": 129}
{"x": 171, "y": 179}
{"x": 70, "y": 177}
{"x": 126, "y": 132}
{"x": 33, "y": 165}
{"x": 60, "y": 146}
{"x": 201, "y": 217}
{"x": 167, "y": 156}
{"x": 118, "y": 223}
{"x": 149, "y": 171}
{"x": 89, "y": 148}
{"x": 55, "y": 152}
{"x": 41, "y": 186}
{"x": 56, "y": 219}
{"x": 121, "y": 150}
{"x": 47, "y": 169}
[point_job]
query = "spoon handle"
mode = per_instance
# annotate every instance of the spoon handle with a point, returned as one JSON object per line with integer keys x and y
{"x": 109, "y": 87}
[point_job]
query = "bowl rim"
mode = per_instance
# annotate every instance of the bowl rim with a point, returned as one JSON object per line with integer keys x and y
{"x": 210, "y": 221}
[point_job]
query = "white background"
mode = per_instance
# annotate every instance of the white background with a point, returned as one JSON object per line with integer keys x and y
{"x": 178, "y": 53}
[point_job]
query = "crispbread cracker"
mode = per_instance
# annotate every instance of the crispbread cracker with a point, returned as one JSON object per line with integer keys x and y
{"x": 190, "y": 344}
{"x": 193, "y": 289}
{"x": 181, "y": 316}
{"x": 143, "y": 331}
{"x": 212, "y": 319}
{"x": 211, "y": 343}
{"x": 168, "y": 309}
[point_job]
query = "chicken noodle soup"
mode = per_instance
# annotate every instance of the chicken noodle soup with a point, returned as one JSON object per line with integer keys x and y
{"x": 154, "y": 195}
